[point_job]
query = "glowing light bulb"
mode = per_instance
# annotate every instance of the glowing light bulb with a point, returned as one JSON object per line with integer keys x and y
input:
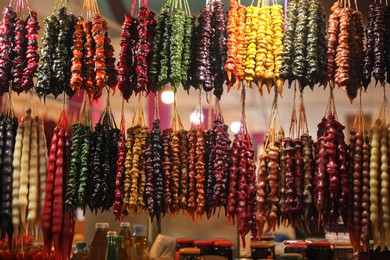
{"x": 235, "y": 127}
{"x": 167, "y": 97}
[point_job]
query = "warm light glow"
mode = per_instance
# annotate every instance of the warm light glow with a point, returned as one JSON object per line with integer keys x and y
{"x": 167, "y": 97}
{"x": 235, "y": 127}
{"x": 196, "y": 118}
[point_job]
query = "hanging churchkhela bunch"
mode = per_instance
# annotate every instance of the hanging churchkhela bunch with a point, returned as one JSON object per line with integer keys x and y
{"x": 236, "y": 44}
{"x": 358, "y": 184}
{"x": 377, "y": 52}
{"x": 217, "y": 164}
{"x": 57, "y": 220}
{"x": 330, "y": 196}
{"x": 103, "y": 162}
{"x": 175, "y": 166}
{"x": 209, "y": 49}
{"x": 154, "y": 191}
{"x": 197, "y": 143}
{"x": 8, "y": 127}
{"x": 345, "y": 49}
{"x": 19, "y": 48}
{"x": 29, "y": 174}
{"x": 241, "y": 201}
{"x": 218, "y": 47}
{"x": 263, "y": 29}
{"x": 135, "y": 164}
{"x": 296, "y": 172}
{"x": 304, "y": 54}
{"x": 80, "y": 155}
{"x": 273, "y": 193}
{"x": 92, "y": 57}
{"x": 379, "y": 160}
{"x": 136, "y": 47}
{"x": 54, "y": 70}
{"x": 171, "y": 49}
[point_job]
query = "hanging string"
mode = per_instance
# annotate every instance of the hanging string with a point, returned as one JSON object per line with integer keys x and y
{"x": 156, "y": 107}
{"x": 210, "y": 110}
{"x": 293, "y": 116}
{"x": 242, "y": 101}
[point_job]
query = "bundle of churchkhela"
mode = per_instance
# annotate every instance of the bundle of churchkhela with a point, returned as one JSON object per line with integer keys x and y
{"x": 272, "y": 192}
{"x": 171, "y": 49}
{"x": 241, "y": 201}
{"x": 357, "y": 185}
{"x": 54, "y": 69}
{"x": 304, "y": 44}
{"x": 330, "y": 197}
{"x": 255, "y": 45}
{"x": 58, "y": 221}
{"x": 135, "y": 56}
{"x": 378, "y": 177}
{"x": 29, "y": 167}
{"x": 135, "y": 161}
{"x": 80, "y": 156}
{"x": 377, "y": 52}
{"x": 217, "y": 164}
{"x": 8, "y": 128}
{"x": 76, "y": 54}
{"x": 103, "y": 151}
{"x": 18, "y": 48}
{"x": 345, "y": 52}
{"x": 210, "y": 49}
{"x": 93, "y": 63}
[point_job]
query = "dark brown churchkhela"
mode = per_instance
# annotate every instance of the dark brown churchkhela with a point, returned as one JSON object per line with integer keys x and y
{"x": 219, "y": 48}
{"x": 125, "y": 59}
{"x": 157, "y": 159}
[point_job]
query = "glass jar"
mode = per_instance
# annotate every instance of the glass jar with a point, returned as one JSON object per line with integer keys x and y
{"x": 223, "y": 248}
{"x": 319, "y": 250}
{"x": 289, "y": 256}
{"x": 182, "y": 243}
{"x": 262, "y": 250}
{"x": 342, "y": 250}
{"x": 297, "y": 247}
{"x": 206, "y": 246}
{"x": 189, "y": 253}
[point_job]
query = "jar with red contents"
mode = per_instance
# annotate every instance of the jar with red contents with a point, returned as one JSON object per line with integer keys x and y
{"x": 183, "y": 243}
{"x": 319, "y": 250}
{"x": 224, "y": 248}
{"x": 206, "y": 246}
{"x": 297, "y": 247}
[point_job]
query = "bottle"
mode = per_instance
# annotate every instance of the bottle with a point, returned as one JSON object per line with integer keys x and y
{"x": 112, "y": 251}
{"x": 81, "y": 252}
{"x": 122, "y": 255}
{"x": 126, "y": 233}
{"x": 99, "y": 242}
{"x": 139, "y": 244}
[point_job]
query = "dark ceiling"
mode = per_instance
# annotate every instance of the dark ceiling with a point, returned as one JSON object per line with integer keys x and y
{"x": 115, "y": 9}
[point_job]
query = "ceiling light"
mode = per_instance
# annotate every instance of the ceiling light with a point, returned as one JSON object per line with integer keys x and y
{"x": 235, "y": 127}
{"x": 167, "y": 97}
